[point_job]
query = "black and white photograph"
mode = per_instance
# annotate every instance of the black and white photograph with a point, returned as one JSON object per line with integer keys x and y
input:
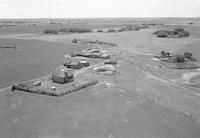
{"x": 99, "y": 68}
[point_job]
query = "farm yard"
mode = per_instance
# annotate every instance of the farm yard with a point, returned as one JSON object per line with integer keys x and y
{"x": 133, "y": 92}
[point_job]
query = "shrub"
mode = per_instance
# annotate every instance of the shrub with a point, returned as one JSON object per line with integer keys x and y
{"x": 100, "y": 31}
{"x": 64, "y": 30}
{"x": 67, "y": 30}
{"x": 186, "y": 33}
{"x": 165, "y": 54}
{"x": 188, "y": 55}
{"x": 192, "y": 59}
{"x": 79, "y": 30}
{"x": 120, "y": 30}
{"x": 74, "y": 41}
{"x": 13, "y": 87}
{"x": 179, "y": 59}
{"x": 168, "y": 54}
{"x": 162, "y": 33}
{"x": 137, "y": 28}
{"x": 177, "y": 33}
{"x": 178, "y": 30}
{"x": 129, "y": 27}
{"x": 50, "y": 31}
{"x": 112, "y": 31}
{"x": 123, "y": 29}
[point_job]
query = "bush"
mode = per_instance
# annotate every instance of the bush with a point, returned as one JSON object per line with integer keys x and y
{"x": 177, "y": 33}
{"x": 137, "y": 28}
{"x": 188, "y": 55}
{"x": 162, "y": 34}
{"x": 129, "y": 28}
{"x": 67, "y": 30}
{"x": 50, "y": 31}
{"x": 79, "y": 30}
{"x": 165, "y": 54}
{"x": 64, "y": 30}
{"x": 74, "y": 41}
{"x": 100, "y": 31}
{"x": 112, "y": 31}
{"x": 178, "y": 30}
{"x": 179, "y": 59}
{"x": 186, "y": 33}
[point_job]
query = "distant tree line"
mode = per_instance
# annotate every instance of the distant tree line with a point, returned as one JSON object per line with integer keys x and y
{"x": 179, "y": 58}
{"x": 176, "y": 33}
{"x": 67, "y": 30}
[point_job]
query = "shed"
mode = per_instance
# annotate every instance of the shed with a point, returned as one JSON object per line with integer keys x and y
{"x": 94, "y": 50}
{"x": 85, "y": 63}
{"x": 111, "y": 61}
{"x": 105, "y": 56}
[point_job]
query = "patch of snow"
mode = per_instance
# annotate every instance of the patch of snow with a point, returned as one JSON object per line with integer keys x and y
{"x": 110, "y": 136}
{"x": 138, "y": 89}
{"x": 188, "y": 76}
{"x": 125, "y": 120}
{"x": 198, "y": 94}
{"x": 156, "y": 59}
{"x": 152, "y": 66}
{"x": 108, "y": 84}
{"x": 15, "y": 120}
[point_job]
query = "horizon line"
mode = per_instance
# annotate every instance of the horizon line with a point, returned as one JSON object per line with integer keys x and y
{"x": 93, "y": 17}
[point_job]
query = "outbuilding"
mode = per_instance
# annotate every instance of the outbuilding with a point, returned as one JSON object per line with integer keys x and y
{"x": 75, "y": 65}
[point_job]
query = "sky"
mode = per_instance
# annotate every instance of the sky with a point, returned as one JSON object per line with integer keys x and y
{"x": 98, "y": 8}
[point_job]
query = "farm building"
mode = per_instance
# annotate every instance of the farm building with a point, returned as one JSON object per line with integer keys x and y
{"x": 105, "y": 56}
{"x": 111, "y": 61}
{"x": 94, "y": 50}
{"x": 85, "y": 63}
{"x": 75, "y": 65}
{"x": 94, "y": 55}
{"x": 62, "y": 75}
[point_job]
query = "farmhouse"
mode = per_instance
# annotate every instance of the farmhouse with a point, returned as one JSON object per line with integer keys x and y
{"x": 62, "y": 75}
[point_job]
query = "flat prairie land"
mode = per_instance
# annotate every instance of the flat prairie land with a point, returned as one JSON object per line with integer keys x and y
{"x": 32, "y": 59}
{"x": 144, "y": 99}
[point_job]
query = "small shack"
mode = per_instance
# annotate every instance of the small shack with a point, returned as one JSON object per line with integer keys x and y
{"x": 105, "y": 56}
{"x": 95, "y": 55}
{"x": 111, "y": 61}
{"x": 85, "y": 63}
{"x": 62, "y": 75}
{"x": 94, "y": 50}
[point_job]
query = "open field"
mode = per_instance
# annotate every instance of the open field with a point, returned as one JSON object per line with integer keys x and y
{"x": 144, "y": 99}
{"x": 32, "y": 59}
